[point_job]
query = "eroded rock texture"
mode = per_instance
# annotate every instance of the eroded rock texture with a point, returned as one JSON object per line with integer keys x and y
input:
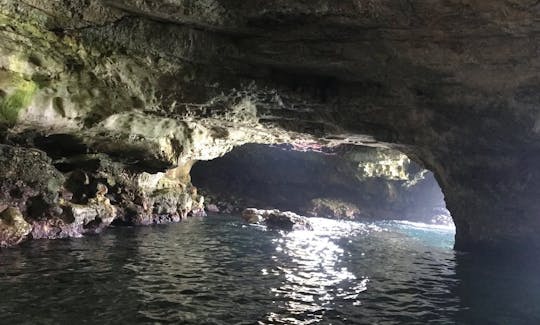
{"x": 157, "y": 84}
{"x": 84, "y": 194}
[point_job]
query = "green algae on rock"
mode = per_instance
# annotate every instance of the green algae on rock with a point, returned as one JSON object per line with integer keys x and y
{"x": 13, "y": 102}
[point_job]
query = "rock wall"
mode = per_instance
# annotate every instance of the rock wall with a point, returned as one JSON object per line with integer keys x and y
{"x": 68, "y": 197}
{"x": 154, "y": 85}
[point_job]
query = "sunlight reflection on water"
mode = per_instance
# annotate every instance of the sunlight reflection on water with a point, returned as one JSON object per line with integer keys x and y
{"x": 218, "y": 270}
{"x": 311, "y": 263}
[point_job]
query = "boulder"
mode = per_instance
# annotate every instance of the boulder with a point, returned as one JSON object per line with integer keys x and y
{"x": 275, "y": 219}
{"x": 13, "y": 228}
{"x": 212, "y": 208}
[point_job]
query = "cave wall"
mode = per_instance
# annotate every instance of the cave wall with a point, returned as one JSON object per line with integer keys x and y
{"x": 154, "y": 85}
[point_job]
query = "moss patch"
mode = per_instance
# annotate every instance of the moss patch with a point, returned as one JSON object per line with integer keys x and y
{"x": 12, "y": 104}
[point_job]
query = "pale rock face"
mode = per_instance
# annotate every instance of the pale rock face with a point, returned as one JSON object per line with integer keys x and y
{"x": 388, "y": 164}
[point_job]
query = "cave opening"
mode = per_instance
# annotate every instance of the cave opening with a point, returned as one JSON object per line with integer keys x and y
{"x": 347, "y": 182}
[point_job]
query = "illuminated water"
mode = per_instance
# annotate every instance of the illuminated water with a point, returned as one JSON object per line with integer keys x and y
{"x": 219, "y": 271}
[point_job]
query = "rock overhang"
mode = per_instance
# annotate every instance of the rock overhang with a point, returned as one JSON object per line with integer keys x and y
{"x": 441, "y": 81}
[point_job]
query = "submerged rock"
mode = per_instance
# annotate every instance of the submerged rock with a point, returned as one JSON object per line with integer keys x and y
{"x": 46, "y": 198}
{"x": 13, "y": 228}
{"x": 275, "y": 219}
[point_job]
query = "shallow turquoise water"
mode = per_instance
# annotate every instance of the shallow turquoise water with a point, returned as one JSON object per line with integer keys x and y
{"x": 217, "y": 270}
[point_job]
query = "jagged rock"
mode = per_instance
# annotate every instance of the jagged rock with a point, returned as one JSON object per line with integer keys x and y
{"x": 90, "y": 193}
{"x": 275, "y": 219}
{"x": 28, "y": 180}
{"x": 13, "y": 228}
{"x": 140, "y": 198}
{"x": 77, "y": 220}
{"x": 198, "y": 212}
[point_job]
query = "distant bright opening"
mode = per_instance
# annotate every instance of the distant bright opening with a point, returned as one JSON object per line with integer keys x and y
{"x": 347, "y": 183}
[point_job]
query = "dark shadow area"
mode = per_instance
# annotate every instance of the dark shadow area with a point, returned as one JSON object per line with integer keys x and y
{"x": 503, "y": 289}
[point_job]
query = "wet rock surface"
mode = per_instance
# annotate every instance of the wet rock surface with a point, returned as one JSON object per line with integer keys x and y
{"x": 276, "y": 220}
{"x": 324, "y": 208}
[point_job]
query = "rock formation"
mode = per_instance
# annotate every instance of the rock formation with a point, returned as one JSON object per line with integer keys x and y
{"x": 13, "y": 227}
{"x": 155, "y": 85}
{"x": 277, "y": 220}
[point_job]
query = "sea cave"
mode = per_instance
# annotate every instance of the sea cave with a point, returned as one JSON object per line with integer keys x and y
{"x": 269, "y": 162}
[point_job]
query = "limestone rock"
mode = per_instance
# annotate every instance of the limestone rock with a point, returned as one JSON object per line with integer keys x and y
{"x": 333, "y": 208}
{"x": 27, "y": 177}
{"x": 275, "y": 219}
{"x": 88, "y": 194}
{"x": 13, "y": 228}
{"x": 77, "y": 220}
{"x": 252, "y": 215}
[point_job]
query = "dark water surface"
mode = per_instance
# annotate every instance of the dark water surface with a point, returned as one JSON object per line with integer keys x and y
{"x": 217, "y": 270}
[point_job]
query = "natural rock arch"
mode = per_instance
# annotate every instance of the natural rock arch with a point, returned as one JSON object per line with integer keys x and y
{"x": 454, "y": 85}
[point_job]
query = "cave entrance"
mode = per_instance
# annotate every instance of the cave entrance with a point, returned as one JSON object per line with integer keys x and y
{"x": 346, "y": 182}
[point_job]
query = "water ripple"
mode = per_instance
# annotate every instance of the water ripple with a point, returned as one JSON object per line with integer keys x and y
{"x": 220, "y": 271}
